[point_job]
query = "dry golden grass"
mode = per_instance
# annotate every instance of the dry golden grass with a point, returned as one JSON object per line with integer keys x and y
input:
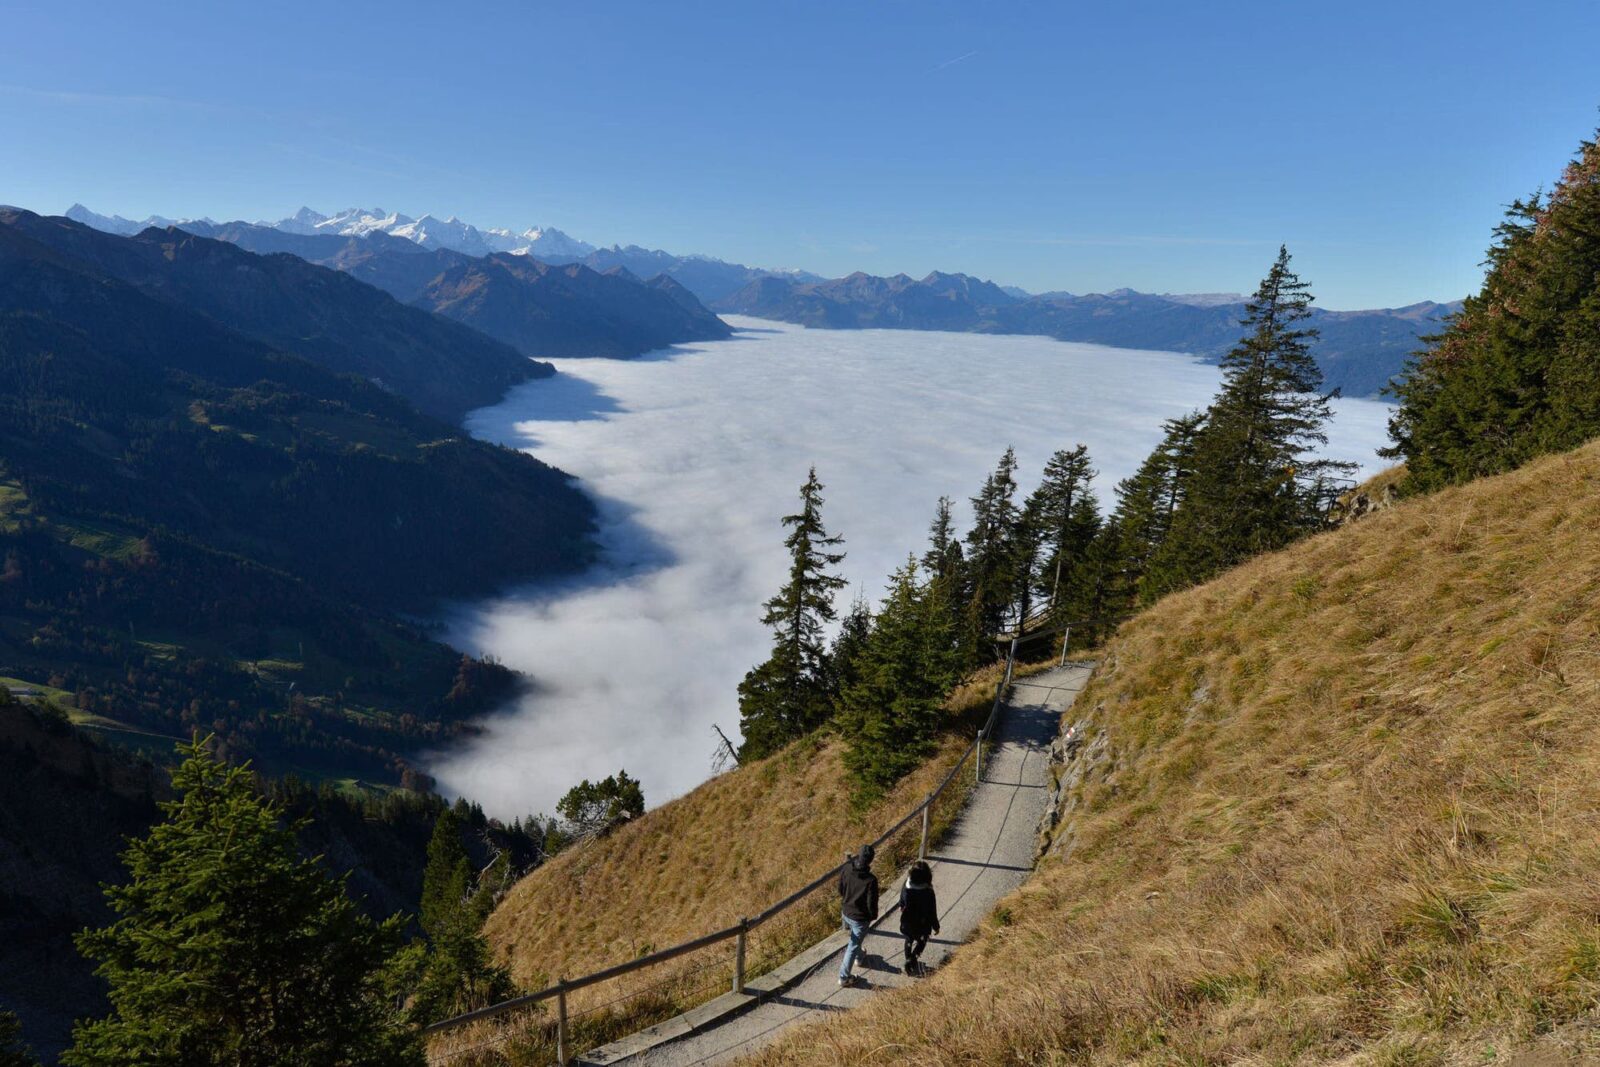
{"x": 730, "y": 848}
{"x": 1351, "y": 815}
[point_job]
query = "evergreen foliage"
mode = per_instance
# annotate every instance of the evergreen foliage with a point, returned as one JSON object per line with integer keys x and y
{"x": 1516, "y": 373}
{"x": 891, "y": 714}
{"x": 13, "y": 1053}
{"x": 458, "y": 975}
{"x": 788, "y": 696}
{"x": 992, "y": 562}
{"x": 231, "y": 949}
{"x": 592, "y": 807}
{"x": 1255, "y": 486}
{"x": 1066, "y": 525}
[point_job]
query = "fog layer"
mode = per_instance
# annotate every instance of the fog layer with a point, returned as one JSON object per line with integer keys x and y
{"x": 696, "y": 453}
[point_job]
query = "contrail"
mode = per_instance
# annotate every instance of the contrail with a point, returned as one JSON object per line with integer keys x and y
{"x": 953, "y": 62}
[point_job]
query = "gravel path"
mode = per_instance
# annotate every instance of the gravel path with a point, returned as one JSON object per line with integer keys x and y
{"x": 986, "y": 854}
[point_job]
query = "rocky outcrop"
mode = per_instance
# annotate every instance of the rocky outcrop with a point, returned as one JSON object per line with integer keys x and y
{"x": 1080, "y": 754}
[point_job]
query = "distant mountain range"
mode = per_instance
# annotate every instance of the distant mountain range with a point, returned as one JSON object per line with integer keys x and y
{"x": 543, "y": 310}
{"x": 1359, "y": 351}
{"x": 545, "y": 313}
{"x": 707, "y": 278}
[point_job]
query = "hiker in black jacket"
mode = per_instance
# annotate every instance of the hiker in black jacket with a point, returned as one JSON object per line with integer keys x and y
{"x": 919, "y": 913}
{"x": 858, "y": 903}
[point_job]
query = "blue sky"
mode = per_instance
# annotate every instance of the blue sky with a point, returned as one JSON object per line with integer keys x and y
{"x": 1053, "y": 146}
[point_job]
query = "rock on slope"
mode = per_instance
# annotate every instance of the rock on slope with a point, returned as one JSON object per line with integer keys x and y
{"x": 1336, "y": 805}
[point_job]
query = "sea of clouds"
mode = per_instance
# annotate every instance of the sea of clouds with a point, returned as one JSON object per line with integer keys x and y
{"x": 696, "y": 453}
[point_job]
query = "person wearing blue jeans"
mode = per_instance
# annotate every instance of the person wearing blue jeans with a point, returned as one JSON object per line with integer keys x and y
{"x": 858, "y": 905}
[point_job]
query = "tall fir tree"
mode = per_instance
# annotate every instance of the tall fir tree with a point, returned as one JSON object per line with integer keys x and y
{"x": 1147, "y": 503}
{"x": 1256, "y": 484}
{"x": 891, "y": 715}
{"x": 459, "y": 974}
{"x": 788, "y": 696}
{"x": 991, "y": 555}
{"x": 229, "y": 948}
{"x": 1067, "y": 475}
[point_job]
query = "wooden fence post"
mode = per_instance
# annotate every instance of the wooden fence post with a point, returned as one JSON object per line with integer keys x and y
{"x": 561, "y": 1023}
{"x": 738, "y": 956}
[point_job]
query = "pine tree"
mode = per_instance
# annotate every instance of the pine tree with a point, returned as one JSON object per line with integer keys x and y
{"x": 1067, "y": 475}
{"x": 787, "y": 696}
{"x": 991, "y": 554}
{"x": 1256, "y": 485}
{"x": 458, "y": 975}
{"x": 1516, "y": 373}
{"x": 1147, "y": 502}
{"x": 844, "y": 658}
{"x": 13, "y": 1053}
{"x": 892, "y": 713}
{"x": 948, "y": 589}
{"x": 230, "y": 949}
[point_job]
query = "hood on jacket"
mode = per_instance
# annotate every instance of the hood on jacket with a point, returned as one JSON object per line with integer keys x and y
{"x": 862, "y": 860}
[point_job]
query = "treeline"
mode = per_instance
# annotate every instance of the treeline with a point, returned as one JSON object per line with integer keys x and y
{"x": 1517, "y": 373}
{"x": 1238, "y": 478}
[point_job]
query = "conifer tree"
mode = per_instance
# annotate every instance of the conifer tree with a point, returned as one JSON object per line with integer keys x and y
{"x": 891, "y": 715}
{"x": 13, "y": 1053}
{"x": 1147, "y": 502}
{"x": 1067, "y": 475}
{"x": 459, "y": 975}
{"x": 991, "y": 553}
{"x": 844, "y": 658}
{"x": 948, "y": 589}
{"x": 1256, "y": 486}
{"x": 787, "y": 696}
{"x": 231, "y": 949}
{"x": 1516, "y": 373}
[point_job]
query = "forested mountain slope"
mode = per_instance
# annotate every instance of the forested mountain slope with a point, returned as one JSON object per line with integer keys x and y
{"x": 200, "y": 529}
{"x": 1334, "y": 806}
{"x": 320, "y": 315}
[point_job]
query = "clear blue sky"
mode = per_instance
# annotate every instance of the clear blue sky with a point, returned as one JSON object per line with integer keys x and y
{"x": 1053, "y": 146}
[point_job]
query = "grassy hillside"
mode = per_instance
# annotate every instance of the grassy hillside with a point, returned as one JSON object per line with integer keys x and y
{"x": 1344, "y": 812}
{"x": 728, "y": 849}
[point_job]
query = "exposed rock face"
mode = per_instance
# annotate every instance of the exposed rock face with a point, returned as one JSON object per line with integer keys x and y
{"x": 1359, "y": 504}
{"x": 1081, "y": 753}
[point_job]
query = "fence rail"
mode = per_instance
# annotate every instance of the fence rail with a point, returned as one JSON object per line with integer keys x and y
{"x": 741, "y": 930}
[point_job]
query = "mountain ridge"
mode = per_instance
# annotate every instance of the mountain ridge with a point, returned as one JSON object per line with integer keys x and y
{"x": 1360, "y": 351}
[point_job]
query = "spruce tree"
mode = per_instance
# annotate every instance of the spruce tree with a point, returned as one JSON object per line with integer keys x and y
{"x": 459, "y": 975}
{"x": 787, "y": 696}
{"x": 844, "y": 658}
{"x": 892, "y": 713}
{"x": 1516, "y": 373}
{"x": 945, "y": 566}
{"x": 231, "y": 949}
{"x": 1147, "y": 503}
{"x": 1067, "y": 475}
{"x": 13, "y": 1053}
{"x": 1256, "y": 485}
{"x": 991, "y": 554}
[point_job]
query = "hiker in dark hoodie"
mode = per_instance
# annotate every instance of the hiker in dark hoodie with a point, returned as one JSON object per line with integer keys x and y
{"x": 919, "y": 913}
{"x": 858, "y": 903}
